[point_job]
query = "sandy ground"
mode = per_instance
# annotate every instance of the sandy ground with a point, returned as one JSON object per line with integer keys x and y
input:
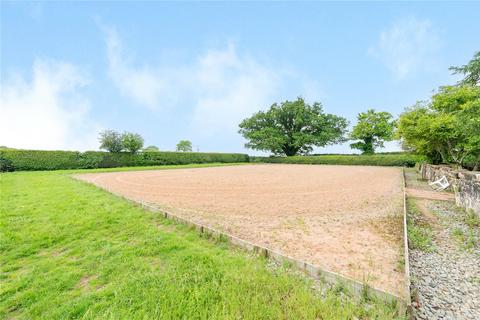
{"x": 347, "y": 219}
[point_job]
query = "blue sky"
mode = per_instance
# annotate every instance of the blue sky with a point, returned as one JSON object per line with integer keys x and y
{"x": 172, "y": 71}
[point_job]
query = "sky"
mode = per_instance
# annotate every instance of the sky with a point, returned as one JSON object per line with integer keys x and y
{"x": 193, "y": 70}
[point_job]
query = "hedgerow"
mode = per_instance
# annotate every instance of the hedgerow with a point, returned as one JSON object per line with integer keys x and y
{"x": 385, "y": 159}
{"x": 56, "y": 160}
{"x": 29, "y": 160}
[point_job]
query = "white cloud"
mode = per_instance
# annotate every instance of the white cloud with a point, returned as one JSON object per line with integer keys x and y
{"x": 217, "y": 89}
{"x": 229, "y": 88}
{"x": 48, "y": 112}
{"x": 142, "y": 84}
{"x": 408, "y": 45}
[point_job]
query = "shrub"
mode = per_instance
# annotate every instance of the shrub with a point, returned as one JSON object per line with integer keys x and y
{"x": 41, "y": 160}
{"x": 55, "y": 160}
{"x": 6, "y": 165}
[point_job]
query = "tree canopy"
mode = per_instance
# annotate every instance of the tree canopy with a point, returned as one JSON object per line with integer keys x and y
{"x": 292, "y": 127}
{"x": 372, "y": 129}
{"x": 132, "y": 142}
{"x": 447, "y": 128}
{"x": 184, "y": 146}
{"x": 111, "y": 141}
{"x": 471, "y": 71}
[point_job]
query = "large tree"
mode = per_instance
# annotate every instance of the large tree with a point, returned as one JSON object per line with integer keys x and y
{"x": 447, "y": 128}
{"x": 471, "y": 71}
{"x": 372, "y": 129}
{"x": 292, "y": 127}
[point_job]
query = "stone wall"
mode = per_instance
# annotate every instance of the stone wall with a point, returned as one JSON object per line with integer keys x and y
{"x": 465, "y": 184}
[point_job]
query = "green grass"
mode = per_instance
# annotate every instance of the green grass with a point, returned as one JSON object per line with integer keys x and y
{"x": 472, "y": 219}
{"x": 69, "y": 250}
{"x": 420, "y": 234}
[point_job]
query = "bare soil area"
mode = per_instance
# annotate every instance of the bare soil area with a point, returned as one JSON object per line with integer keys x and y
{"x": 347, "y": 219}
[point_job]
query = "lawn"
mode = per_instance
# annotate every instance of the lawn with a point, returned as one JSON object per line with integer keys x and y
{"x": 70, "y": 250}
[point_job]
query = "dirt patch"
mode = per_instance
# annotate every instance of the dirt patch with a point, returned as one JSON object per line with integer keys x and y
{"x": 426, "y": 218}
{"x": 430, "y": 194}
{"x": 329, "y": 216}
{"x": 84, "y": 282}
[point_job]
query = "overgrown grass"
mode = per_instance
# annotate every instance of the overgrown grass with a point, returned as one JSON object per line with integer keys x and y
{"x": 471, "y": 219}
{"x": 420, "y": 234}
{"x": 70, "y": 250}
{"x": 468, "y": 238}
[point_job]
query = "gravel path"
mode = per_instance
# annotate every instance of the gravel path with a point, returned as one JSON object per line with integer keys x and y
{"x": 446, "y": 282}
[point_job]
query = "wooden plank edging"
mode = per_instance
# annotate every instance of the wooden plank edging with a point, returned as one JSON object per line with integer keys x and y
{"x": 408, "y": 298}
{"x": 356, "y": 288}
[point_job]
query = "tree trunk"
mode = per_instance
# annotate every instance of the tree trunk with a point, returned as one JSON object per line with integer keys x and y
{"x": 368, "y": 149}
{"x": 289, "y": 150}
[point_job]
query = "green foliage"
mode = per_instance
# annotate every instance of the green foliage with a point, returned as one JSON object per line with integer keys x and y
{"x": 292, "y": 127}
{"x": 41, "y": 160}
{"x": 447, "y": 128}
{"x": 184, "y": 146}
{"x": 132, "y": 142}
{"x": 151, "y": 149}
{"x": 394, "y": 159}
{"x": 471, "y": 71}
{"x": 57, "y": 160}
{"x": 372, "y": 129}
{"x": 73, "y": 251}
{"x": 420, "y": 234}
{"x": 6, "y": 165}
{"x": 111, "y": 141}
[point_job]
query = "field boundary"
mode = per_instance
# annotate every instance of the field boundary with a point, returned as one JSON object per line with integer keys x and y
{"x": 408, "y": 298}
{"x": 354, "y": 287}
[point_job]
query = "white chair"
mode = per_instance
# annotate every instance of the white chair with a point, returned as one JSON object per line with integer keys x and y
{"x": 440, "y": 184}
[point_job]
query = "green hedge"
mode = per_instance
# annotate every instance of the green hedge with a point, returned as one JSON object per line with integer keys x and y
{"x": 385, "y": 159}
{"x": 15, "y": 159}
{"x": 56, "y": 160}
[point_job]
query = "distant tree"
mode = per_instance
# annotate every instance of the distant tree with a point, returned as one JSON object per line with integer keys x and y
{"x": 471, "y": 71}
{"x": 372, "y": 129}
{"x": 111, "y": 141}
{"x": 151, "y": 149}
{"x": 184, "y": 146}
{"x": 132, "y": 142}
{"x": 292, "y": 127}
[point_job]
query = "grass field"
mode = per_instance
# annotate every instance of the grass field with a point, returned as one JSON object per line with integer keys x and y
{"x": 70, "y": 250}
